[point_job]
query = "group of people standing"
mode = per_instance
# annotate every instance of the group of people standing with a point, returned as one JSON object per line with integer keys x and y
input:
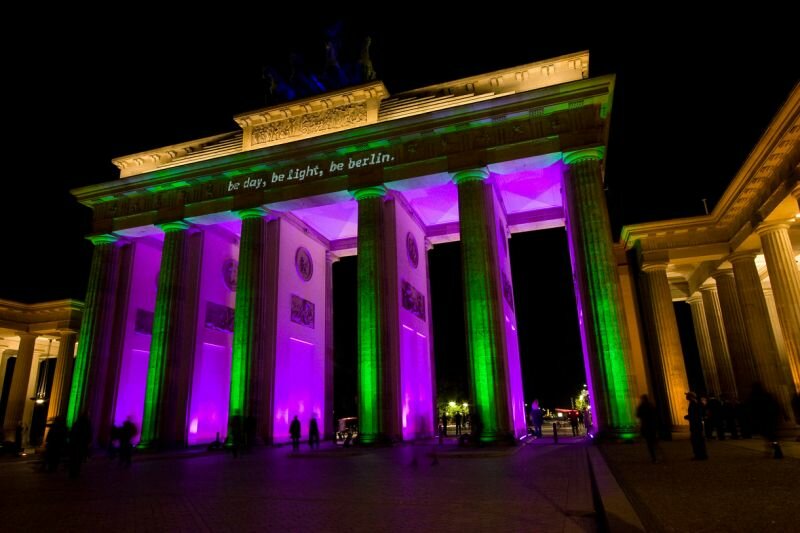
{"x": 707, "y": 415}
{"x": 313, "y": 434}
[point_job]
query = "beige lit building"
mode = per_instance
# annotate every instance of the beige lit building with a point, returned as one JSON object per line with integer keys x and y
{"x": 37, "y": 350}
{"x": 737, "y": 268}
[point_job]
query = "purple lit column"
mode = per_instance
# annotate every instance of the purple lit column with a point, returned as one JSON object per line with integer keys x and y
{"x": 597, "y": 291}
{"x": 173, "y": 343}
{"x": 328, "y": 431}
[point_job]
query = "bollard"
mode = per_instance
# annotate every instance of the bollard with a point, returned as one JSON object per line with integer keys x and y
{"x": 555, "y": 433}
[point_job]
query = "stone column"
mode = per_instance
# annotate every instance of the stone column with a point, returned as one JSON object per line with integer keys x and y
{"x": 716, "y": 333}
{"x": 59, "y": 395}
{"x": 665, "y": 342}
{"x": 597, "y": 292}
{"x": 97, "y": 323}
{"x": 172, "y": 346}
{"x": 703, "y": 337}
{"x": 779, "y": 340}
{"x": 373, "y": 405}
{"x": 784, "y": 278}
{"x": 20, "y": 384}
{"x": 738, "y": 344}
{"x": 253, "y": 363}
{"x": 759, "y": 329}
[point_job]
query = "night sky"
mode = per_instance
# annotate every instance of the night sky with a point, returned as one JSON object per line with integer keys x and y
{"x": 692, "y": 98}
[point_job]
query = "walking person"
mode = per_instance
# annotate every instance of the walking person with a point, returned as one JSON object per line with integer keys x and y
{"x": 313, "y": 433}
{"x": 56, "y": 443}
{"x": 458, "y": 417}
{"x": 648, "y": 424}
{"x": 695, "y": 418}
{"x": 294, "y": 432}
{"x": 126, "y": 434}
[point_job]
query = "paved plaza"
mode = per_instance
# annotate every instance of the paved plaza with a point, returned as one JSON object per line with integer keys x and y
{"x": 529, "y": 488}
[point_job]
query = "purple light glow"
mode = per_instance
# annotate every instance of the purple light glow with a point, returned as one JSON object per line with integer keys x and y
{"x": 297, "y": 393}
{"x": 208, "y": 414}
{"x": 136, "y": 345}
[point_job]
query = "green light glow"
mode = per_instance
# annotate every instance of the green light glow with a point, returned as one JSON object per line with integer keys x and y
{"x": 168, "y": 186}
{"x": 167, "y": 304}
{"x": 92, "y": 321}
{"x": 370, "y": 326}
{"x": 603, "y": 322}
{"x": 482, "y": 336}
{"x": 247, "y": 327}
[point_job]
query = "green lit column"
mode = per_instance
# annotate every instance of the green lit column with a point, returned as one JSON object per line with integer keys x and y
{"x": 603, "y": 327}
{"x": 173, "y": 341}
{"x": 253, "y": 365}
{"x": 59, "y": 394}
{"x": 96, "y": 327}
{"x": 482, "y": 294}
{"x": 372, "y": 325}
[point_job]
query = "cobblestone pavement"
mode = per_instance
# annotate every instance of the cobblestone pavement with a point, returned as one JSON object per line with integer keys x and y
{"x": 537, "y": 487}
{"x": 739, "y": 488}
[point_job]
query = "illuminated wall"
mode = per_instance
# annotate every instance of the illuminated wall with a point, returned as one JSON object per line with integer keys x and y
{"x": 413, "y": 314}
{"x": 138, "y": 330}
{"x": 208, "y": 405}
{"x": 516, "y": 400}
{"x": 300, "y": 333}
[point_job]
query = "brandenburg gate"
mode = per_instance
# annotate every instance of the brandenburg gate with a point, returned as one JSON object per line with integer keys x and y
{"x": 210, "y": 293}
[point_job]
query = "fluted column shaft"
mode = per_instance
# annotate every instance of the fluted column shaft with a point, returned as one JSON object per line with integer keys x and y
{"x": 719, "y": 344}
{"x": 759, "y": 329}
{"x": 20, "y": 383}
{"x": 784, "y": 278}
{"x": 172, "y": 345}
{"x": 59, "y": 394}
{"x": 374, "y": 405}
{"x": 703, "y": 337}
{"x": 597, "y": 290}
{"x": 738, "y": 344}
{"x": 253, "y": 356}
{"x": 776, "y": 330}
{"x": 97, "y": 324}
{"x": 665, "y": 342}
{"x": 480, "y": 268}
{"x": 328, "y": 432}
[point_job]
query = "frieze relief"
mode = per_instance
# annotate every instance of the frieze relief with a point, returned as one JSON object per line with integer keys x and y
{"x": 341, "y": 117}
{"x": 430, "y": 145}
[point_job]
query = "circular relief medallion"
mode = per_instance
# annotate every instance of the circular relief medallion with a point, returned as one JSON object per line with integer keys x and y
{"x": 411, "y": 250}
{"x": 303, "y": 264}
{"x": 230, "y": 272}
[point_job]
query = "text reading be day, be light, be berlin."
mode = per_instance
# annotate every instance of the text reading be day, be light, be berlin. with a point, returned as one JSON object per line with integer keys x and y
{"x": 317, "y": 170}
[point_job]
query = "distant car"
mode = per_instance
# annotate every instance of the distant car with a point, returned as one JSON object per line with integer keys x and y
{"x": 347, "y": 429}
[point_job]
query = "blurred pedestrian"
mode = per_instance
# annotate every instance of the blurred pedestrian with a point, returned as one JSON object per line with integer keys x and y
{"x": 695, "y": 418}
{"x": 126, "y": 434}
{"x": 294, "y": 432}
{"x": 80, "y": 436}
{"x": 313, "y": 433}
{"x": 56, "y": 444}
{"x": 648, "y": 424}
{"x": 538, "y": 419}
{"x": 767, "y": 413}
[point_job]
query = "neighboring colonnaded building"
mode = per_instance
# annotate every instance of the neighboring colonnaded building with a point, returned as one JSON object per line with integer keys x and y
{"x": 210, "y": 293}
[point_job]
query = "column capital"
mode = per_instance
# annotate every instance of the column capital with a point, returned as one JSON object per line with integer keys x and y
{"x": 654, "y": 266}
{"x": 104, "y": 238}
{"x": 331, "y": 257}
{"x": 741, "y": 257}
{"x": 597, "y": 152}
{"x": 177, "y": 225}
{"x": 472, "y": 174}
{"x": 66, "y": 332}
{"x": 771, "y": 227}
{"x": 694, "y": 298}
{"x": 378, "y": 191}
{"x": 708, "y": 286}
{"x": 722, "y": 273}
{"x": 253, "y": 212}
{"x": 25, "y": 335}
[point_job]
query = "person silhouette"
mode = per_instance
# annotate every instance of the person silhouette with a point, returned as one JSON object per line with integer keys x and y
{"x": 695, "y": 418}
{"x": 648, "y": 424}
{"x": 313, "y": 433}
{"x": 126, "y": 434}
{"x": 294, "y": 432}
